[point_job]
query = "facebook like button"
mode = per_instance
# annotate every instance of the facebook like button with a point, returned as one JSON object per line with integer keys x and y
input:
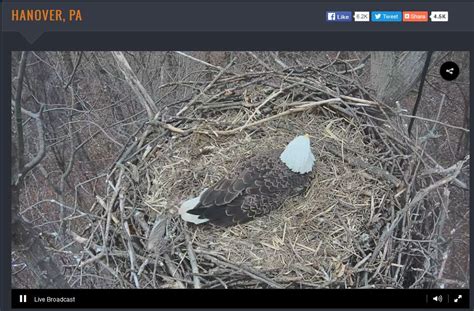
{"x": 339, "y": 16}
{"x": 386, "y": 16}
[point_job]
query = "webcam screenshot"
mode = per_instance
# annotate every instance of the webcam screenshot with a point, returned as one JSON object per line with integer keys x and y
{"x": 277, "y": 155}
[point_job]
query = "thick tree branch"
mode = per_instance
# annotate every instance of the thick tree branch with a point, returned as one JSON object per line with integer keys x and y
{"x": 74, "y": 70}
{"x": 18, "y": 117}
{"x": 42, "y": 144}
{"x": 142, "y": 95}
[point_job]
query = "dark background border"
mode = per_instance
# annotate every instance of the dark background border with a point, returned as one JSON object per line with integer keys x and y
{"x": 365, "y": 41}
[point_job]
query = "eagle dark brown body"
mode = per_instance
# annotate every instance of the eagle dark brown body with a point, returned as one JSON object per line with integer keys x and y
{"x": 257, "y": 186}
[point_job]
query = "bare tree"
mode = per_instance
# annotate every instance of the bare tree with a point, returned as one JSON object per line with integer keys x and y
{"x": 25, "y": 239}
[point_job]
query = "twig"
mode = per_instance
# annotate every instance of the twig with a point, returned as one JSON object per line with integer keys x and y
{"x": 92, "y": 259}
{"x": 275, "y": 57}
{"x": 192, "y": 260}
{"x": 171, "y": 127}
{"x": 357, "y": 163}
{"x": 423, "y": 192}
{"x": 128, "y": 237}
{"x": 261, "y": 62}
{"x": 173, "y": 270}
{"x": 193, "y": 101}
{"x": 252, "y": 274}
{"x": 268, "y": 99}
{"x": 199, "y": 61}
{"x": 110, "y": 206}
{"x": 437, "y": 122}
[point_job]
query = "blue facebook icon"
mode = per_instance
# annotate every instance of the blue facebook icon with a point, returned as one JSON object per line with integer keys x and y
{"x": 339, "y": 16}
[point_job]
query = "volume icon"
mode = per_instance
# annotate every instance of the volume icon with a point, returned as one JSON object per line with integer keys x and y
{"x": 438, "y": 298}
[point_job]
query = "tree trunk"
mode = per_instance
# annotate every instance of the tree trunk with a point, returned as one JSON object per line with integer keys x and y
{"x": 394, "y": 74}
{"x": 26, "y": 240}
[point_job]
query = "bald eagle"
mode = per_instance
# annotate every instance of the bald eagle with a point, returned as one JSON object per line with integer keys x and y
{"x": 258, "y": 185}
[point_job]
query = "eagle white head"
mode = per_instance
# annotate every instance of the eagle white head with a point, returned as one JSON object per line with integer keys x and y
{"x": 298, "y": 156}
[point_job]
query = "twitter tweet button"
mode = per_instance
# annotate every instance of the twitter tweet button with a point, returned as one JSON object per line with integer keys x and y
{"x": 386, "y": 16}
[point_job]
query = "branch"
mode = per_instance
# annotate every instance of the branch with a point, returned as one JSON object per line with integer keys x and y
{"x": 18, "y": 110}
{"x": 142, "y": 95}
{"x": 193, "y": 101}
{"x": 192, "y": 260}
{"x": 373, "y": 170}
{"x": 418, "y": 197}
{"x": 42, "y": 144}
{"x": 424, "y": 192}
{"x": 436, "y": 122}
{"x": 200, "y": 61}
{"x": 261, "y": 62}
{"x": 74, "y": 70}
{"x": 248, "y": 271}
{"x": 275, "y": 57}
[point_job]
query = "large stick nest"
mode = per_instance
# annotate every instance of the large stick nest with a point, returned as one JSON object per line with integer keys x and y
{"x": 370, "y": 218}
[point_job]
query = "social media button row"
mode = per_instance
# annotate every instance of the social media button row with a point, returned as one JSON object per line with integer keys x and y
{"x": 387, "y": 16}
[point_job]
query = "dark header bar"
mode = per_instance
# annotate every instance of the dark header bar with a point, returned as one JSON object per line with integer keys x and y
{"x": 286, "y": 298}
{"x": 33, "y": 19}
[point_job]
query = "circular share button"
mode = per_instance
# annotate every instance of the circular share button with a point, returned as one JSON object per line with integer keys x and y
{"x": 449, "y": 71}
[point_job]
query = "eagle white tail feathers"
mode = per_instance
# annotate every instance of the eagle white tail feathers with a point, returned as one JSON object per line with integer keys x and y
{"x": 189, "y": 205}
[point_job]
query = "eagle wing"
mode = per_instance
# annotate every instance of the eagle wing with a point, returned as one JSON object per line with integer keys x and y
{"x": 257, "y": 186}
